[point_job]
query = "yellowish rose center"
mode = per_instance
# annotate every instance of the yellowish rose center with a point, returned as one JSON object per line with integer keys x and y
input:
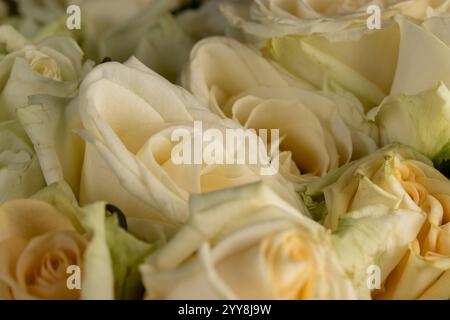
{"x": 43, "y": 65}
{"x": 42, "y": 266}
{"x": 190, "y": 177}
{"x": 291, "y": 266}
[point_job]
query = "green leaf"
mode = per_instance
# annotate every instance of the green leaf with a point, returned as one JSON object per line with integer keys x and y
{"x": 112, "y": 257}
{"x": 127, "y": 253}
{"x": 442, "y": 160}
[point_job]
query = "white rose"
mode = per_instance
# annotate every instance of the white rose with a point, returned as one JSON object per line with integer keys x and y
{"x": 128, "y": 115}
{"x": 246, "y": 243}
{"x": 130, "y": 144}
{"x": 383, "y": 66}
{"x": 320, "y": 130}
{"x": 54, "y": 67}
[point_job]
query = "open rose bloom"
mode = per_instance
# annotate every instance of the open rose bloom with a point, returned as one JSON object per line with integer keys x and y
{"x": 224, "y": 149}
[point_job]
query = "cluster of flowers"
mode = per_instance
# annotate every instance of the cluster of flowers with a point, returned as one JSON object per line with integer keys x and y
{"x": 89, "y": 189}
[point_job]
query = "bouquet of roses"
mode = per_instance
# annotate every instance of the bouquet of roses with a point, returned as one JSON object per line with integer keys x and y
{"x": 224, "y": 149}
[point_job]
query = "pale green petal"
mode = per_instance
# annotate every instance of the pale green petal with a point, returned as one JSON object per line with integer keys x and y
{"x": 11, "y": 39}
{"x": 374, "y": 235}
{"x": 60, "y": 196}
{"x": 127, "y": 253}
{"x": 52, "y": 67}
{"x": 50, "y": 123}
{"x": 111, "y": 258}
{"x": 369, "y": 193}
{"x": 20, "y": 173}
{"x": 98, "y": 280}
{"x": 430, "y": 56}
{"x": 421, "y": 121}
{"x": 320, "y": 60}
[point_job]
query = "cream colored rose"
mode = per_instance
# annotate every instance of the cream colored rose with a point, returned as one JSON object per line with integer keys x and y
{"x": 129, "y": 114}
{"x": 54, "y": 66}
{"x": 52, "y": 249}
{"x": 37, "y": 245}
{"x": 398, "y": 179}
{"x": 222, "y": 68}
{"x": 319, "y": 130}
{"x": 428, "y": 259}
{"x": 246, "y": 243}
{"x": 371, "y": 65}
{"x": 43, "y": 64}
